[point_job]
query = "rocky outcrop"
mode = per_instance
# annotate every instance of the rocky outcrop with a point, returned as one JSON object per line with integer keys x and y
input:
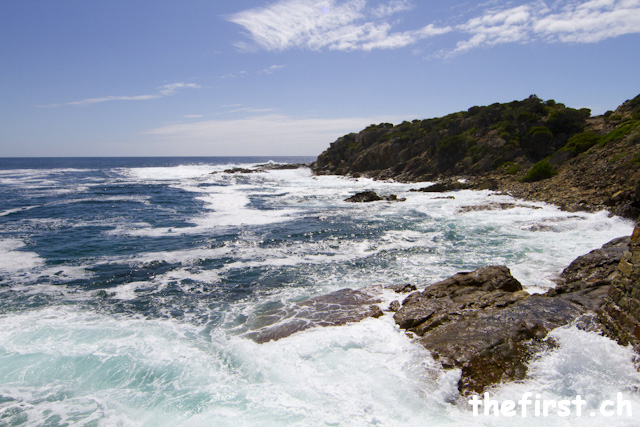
{"x": 333, "y": 309}
{"x": 485, "y": 324}
{"x": 263, "y": 168}
{"x": 594, "y": 162}
{"x": 620, "y": 313}
{"x": 443, "y": 186}
{"x": 372, "y": 196}
{"x": 587, "y": 280}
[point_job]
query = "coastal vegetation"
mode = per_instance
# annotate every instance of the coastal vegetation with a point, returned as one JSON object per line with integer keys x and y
{"x": 517, "y": 146}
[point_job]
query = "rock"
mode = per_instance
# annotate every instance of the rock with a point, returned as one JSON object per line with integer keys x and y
{"x": 441, "y": 187}
{"x": 333, "y": 309}
{"x": 495, "y": 207}
{"x": 484, "y": 323}
{"x": 586, "y": 280}
{"x": 364, "y": 197}
{"x": 482, "y": 288}
{"x": 402, "y": 288}
{"x": 394, "y": 306}
{"x": 239, "y": 170}
{"x": 371, "y": 196}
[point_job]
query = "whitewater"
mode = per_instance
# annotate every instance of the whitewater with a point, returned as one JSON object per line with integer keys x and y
{"x": 129, "y": 289}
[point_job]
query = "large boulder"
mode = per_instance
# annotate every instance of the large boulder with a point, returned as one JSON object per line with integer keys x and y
{"x": 483, "y": 323}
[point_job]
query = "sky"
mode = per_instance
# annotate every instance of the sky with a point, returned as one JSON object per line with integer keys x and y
{"x": 288, "y": 77}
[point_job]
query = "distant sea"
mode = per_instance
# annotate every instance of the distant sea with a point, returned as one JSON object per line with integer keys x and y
{"x": 128, "y": 288}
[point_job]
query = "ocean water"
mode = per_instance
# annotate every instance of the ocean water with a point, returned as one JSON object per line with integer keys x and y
{"x": 129, "y": 288}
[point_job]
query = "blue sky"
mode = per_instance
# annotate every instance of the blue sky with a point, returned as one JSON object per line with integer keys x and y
{"x": 287, "y": 77}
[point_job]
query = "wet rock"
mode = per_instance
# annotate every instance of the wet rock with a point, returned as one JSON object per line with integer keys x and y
{"x": 372, "y": 196}
{"x": 441, "y": 187}
{"x": 333, "y": 309}
{"x": 394, "y": 306}
{"x": 402, "y": 288}
{"x": 587, "y": 279}
{"x": 495, "y": 207}
{"x": 364, "y": 197}
{"x": 484, "y": 323}
{"x": 239, "y": 170}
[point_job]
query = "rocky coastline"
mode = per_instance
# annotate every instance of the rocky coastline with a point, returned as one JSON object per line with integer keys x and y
{"x": 593, "y": 163}
{"x": 483, "y": 322}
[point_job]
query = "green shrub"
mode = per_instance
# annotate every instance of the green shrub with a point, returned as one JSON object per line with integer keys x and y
{"x": 539, "y": 171}
{"x": 581, "y": 142}
{"x": 539, "y": 142}
{"x": 618, "y": 133}
{"x": 511, "y": 168}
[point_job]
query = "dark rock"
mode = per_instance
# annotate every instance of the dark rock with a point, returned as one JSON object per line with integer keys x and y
{"x": 281, "y": 166}
{"x": 371, "y": 196}
{"x": 402, "y": 288}
{"x": 586, "y": 280}
{"x": 239, "y": 170}
{"x": 441, "y": 187}
{"x": 364, "y": 197}
{"x": 394, "y": 306}
{"x": 484, "y": 323}
{"x": 445, "y": 300}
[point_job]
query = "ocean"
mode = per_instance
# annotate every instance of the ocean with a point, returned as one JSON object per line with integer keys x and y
{"x": 129, "y": 289}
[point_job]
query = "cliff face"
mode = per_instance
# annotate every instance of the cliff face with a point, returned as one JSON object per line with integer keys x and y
{"x": 621, "y": 311}
{"x": 531, "y": 148}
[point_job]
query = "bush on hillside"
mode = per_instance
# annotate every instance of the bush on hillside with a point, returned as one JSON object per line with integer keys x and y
{"x": 581, "y": 142}
{"x": 539, "y": 171}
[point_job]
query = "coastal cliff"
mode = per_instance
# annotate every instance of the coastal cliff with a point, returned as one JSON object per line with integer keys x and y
{"x": 531, "y": 149}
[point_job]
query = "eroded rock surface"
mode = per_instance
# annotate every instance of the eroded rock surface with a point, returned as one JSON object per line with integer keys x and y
{"x": 485, "y": 324}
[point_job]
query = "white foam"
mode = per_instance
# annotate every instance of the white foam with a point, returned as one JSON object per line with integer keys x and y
{"x": 14, "y": 260}
{"x": 585, "y": 364}
{"x": 165, "y": 373}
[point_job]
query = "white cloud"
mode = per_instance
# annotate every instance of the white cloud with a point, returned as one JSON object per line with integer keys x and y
{"x": 567, "y": 22}
{"x": 271, "y": 134}
{"x": 355, "y": 25}
{"x": 162, "y": 91}
{"x": 591, "y": 21}
{"x": 501, "y": 26}
{"x": 314, "y": 24}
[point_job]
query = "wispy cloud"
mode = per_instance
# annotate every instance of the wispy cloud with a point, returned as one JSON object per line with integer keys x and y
{"x": 272, "y": 69}
{"x": 314, "y": 25}
{"x": 566, "y": 22}
{"x": 269, "y": 134}
{"x": 162, "y": 91}
{"x": 354, "y": 25}
{"x": 591, "y": 21}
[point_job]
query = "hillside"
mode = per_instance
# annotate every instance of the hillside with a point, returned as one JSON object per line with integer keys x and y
{"x": 531, "y": 149}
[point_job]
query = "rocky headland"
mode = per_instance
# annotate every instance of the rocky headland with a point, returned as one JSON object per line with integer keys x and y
{"x": 483, "y": 322}
{"x": 530, "y": 149}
